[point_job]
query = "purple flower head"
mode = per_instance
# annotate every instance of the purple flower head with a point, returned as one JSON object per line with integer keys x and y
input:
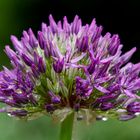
{"x": 70, "y": 66}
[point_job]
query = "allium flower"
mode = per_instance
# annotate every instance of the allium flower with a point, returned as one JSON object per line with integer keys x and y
{"x": 70, "y": 67}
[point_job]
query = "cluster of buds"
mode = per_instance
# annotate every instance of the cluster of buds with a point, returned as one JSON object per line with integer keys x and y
{"x": 70, "y": 66}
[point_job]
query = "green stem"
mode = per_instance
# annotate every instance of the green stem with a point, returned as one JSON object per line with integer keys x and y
{"x": 67, "y": 127}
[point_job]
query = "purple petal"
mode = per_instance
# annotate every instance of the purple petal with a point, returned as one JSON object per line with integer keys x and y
{"x": 101, "y": 89}
{"x": 126, "y": 117}
{"x": 125, "y": 57}
{"x": 27, "y": 60}
{"x": 41, "y": 65}
{"x": 32, "y": 39}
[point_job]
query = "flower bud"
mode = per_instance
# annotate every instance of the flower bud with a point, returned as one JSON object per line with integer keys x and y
{"x": 58, "y": 65}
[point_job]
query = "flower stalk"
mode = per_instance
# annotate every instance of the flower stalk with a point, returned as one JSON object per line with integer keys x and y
{"x": 66, "y": 132}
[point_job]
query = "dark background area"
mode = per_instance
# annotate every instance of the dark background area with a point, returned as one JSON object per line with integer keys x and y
{"x": 117, "y": 17}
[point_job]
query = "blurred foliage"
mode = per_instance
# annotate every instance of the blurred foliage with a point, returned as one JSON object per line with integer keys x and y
{"x": 15, "y": 16}
{"x": 45, "y": 129}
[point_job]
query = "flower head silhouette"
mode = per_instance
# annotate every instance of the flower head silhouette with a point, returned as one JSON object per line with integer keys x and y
{"x": 70, "y": 66}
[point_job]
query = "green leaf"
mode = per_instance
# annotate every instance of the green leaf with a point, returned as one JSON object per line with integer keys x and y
{"x": 67, "y": 127}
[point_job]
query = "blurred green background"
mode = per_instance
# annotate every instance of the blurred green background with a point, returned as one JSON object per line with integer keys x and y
{"x": 15, "y": 16}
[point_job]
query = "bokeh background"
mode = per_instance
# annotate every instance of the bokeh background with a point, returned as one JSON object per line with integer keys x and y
{"x": 117, "y": 17}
